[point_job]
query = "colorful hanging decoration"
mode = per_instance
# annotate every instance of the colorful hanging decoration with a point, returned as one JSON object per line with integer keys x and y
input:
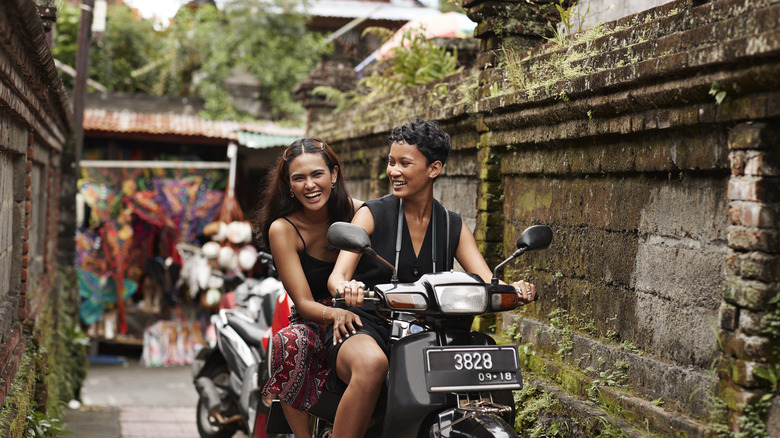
{"x": 97, "y": 291}
{"x": 187, "y": 204}
{"x": 117, "y": 244}
{"x": 136, "y": 213}
{"x": 102, "y": 199}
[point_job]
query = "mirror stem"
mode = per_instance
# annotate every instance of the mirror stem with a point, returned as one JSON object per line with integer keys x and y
{"x": 494, "y": 280}
{"x": 394, "y": 278}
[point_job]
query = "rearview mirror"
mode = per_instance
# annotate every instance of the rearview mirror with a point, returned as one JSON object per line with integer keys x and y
{"x": 352, "y": 238}
{"x": 349, "y": 237}
{"x": 535, "y": 237}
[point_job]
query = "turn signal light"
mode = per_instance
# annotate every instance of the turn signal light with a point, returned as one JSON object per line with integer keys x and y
{"x": 406, "y": 301}
{"x": 502, "y": 297}
{"x": 503, "y": 301}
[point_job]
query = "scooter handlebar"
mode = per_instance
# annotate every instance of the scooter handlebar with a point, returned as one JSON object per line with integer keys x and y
{"x": 368, "y": 295}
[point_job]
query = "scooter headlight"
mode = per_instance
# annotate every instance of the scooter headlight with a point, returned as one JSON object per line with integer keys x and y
{"x": 461, "y": 299}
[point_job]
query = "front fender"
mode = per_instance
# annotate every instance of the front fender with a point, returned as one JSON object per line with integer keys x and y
{"x": 482, "y": 426}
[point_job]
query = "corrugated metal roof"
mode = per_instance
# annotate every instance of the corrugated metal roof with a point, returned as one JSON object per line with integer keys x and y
{"x": 177, "y": 124}
{"x": 400, "y": 10}
{"x": 256, "y": 140}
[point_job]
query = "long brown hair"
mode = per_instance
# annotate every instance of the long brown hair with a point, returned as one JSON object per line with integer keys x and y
{"x": 276, "y": 202}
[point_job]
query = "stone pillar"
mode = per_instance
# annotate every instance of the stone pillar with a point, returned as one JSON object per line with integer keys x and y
{"x": 514, "y": 24}
{"x": 749, "y": 322}
{"x": 339, "y": 75}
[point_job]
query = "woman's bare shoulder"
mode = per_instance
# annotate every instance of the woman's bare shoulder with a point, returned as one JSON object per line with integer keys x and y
{"x": 281, "y": 226}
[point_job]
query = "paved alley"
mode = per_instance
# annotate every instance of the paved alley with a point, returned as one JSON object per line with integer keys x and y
{"x": 122, "y": 399}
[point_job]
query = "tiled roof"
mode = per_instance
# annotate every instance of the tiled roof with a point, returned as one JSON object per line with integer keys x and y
{"x": 176, "y": 124}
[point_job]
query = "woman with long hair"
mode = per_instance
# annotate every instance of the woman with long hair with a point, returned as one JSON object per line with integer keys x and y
{"x": 358, "y": 350}
{"x": 305, "y": 194}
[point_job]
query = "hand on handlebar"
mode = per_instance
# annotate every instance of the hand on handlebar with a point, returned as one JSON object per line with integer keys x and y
{"x": 353, "y": 292}
{"x": 345, "y": 324}
{"x": 526, "y": 292}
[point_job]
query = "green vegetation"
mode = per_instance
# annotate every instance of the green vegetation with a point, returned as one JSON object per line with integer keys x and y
{"x": 617, "y": 378}
{"x": 717, "y": 91}
{"x": 567, "y": 15}
{"x": 199, "y": 50}
{"x": 750, "y": 424}
{"x": 39, "y": 425}
{"x": 529, "y": 402}
{"x": 52, "y": 368}
{"x": 417, "y": 61}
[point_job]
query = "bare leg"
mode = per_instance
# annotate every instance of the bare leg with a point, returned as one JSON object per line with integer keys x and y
{"x": 363, "y": 365}
{"x": 298, "y": 421}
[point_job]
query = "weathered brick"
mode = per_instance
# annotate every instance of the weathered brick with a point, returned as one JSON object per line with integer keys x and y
{"x": 762, "y": 163}
{"x": 751, "y": 188}
{"x": 754, "y": 239}
{"x": 737, "y": 160}
{"x": 745, "y": 347}
{"x": 754, "y": 136}
{"x": 742, "y": 374}
{"x": 753, "y": 214}
{"x": 728, "y": 315}
{"x": 750, "y": 294}
{"x": 750, "y": 322}
{"x": 759, "y": 266}
{"x": 707, "y": 113}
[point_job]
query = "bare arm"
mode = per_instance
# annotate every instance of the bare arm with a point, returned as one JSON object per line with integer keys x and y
{"x": 347, "y": 261}
{"x": 285, "y": 246}
{"x": 344, "y": 322}
{"x": 471, "y": 259}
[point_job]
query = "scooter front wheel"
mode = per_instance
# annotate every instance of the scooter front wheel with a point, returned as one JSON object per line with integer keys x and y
{"x": 208, "y": 426}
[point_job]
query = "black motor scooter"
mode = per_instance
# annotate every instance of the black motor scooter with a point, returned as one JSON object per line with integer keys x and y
{"x": 444, "y": 380}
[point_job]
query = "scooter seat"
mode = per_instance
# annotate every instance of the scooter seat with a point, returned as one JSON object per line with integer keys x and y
{"x": 250, "y": 332}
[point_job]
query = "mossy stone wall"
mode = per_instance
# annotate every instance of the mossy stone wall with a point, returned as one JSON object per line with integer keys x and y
{"x": 40, "y": 362}
{"x": 663, "y": 200}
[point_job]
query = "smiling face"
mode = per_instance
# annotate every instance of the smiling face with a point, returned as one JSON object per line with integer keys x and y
{"x": 310, "y": 180}
{"x": 408, "y": 171}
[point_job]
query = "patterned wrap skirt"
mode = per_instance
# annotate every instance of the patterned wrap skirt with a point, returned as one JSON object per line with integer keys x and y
{"x": 298, "y": 363}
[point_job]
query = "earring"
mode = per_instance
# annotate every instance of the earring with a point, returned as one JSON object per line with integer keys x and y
{"x": 292, "y": 195}
{"x": 333, "y": 185}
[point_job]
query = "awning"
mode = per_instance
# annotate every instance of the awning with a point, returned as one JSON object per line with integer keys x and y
{"x": 257, "y": 140}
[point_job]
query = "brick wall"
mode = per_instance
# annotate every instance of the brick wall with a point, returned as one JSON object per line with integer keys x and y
{"x": 35, "y": 125}
{"x": 663, "y": 199}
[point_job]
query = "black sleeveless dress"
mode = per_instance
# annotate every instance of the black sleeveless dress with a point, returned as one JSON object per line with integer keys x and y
{"x": 298, "y": 363}
{"x": 411, "y": 266}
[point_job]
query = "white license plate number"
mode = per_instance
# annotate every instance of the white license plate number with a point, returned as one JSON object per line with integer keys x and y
{"x": 453, "y": 369}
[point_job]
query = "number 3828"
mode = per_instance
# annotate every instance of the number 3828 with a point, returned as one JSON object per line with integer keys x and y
{"x": 473, "y": 361}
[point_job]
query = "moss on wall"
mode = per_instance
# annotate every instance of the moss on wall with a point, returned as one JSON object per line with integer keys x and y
{"x": 20, "y": 400}
{"x": 53, "y": 366}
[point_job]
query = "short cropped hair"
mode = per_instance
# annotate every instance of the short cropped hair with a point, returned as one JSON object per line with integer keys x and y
{"x": 431, "y": 141}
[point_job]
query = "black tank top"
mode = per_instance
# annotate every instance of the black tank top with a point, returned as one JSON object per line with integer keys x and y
{"x": 410, "y": 266}
{"x": 315, "y": 270}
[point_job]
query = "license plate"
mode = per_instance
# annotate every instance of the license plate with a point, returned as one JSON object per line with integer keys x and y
{"x": 459, "y": 369}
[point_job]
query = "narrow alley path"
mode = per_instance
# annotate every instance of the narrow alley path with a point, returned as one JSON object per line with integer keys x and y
{"x": 126, "y": 400}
